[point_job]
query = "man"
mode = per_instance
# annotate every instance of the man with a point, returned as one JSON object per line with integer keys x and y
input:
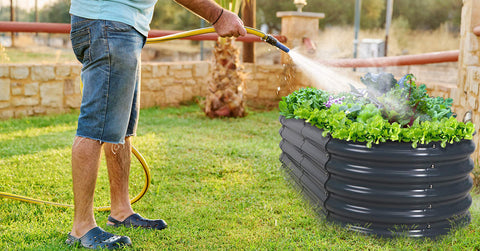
{"x": 107, "y": 37}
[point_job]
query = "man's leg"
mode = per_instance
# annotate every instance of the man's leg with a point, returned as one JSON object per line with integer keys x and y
{"x": 85, "y": 163}
{"x": 121, "y": 214}
{"x": 118, "y": 158}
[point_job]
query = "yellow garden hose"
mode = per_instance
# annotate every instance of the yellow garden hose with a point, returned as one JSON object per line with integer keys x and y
{"x": 137, "y": 154}
{"x": 267, "y": 38}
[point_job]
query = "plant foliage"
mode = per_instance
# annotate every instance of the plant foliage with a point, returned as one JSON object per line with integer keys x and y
{"x": 386, "y": 111}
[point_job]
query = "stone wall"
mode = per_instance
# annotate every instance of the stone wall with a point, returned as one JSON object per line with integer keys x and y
{"x": 469, "y": 67}
{"x": 27, "y": 90}
{"x": 34, "y": 89}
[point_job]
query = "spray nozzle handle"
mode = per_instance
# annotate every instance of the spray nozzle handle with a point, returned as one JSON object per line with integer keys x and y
{"x": 273, "y": 41}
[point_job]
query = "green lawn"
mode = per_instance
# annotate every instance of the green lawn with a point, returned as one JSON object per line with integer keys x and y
{"x": 36, "y": 55}
{"x": 217, "y": 183}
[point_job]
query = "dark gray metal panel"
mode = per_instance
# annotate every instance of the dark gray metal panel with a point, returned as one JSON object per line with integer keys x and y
{"x": 430, "y": 230}
{"x": 396, "y": 214}
{"x": 399, "y": 172}
{"x": 291, "y": 167}
{"x": 292, "y": 152}
{"x": 319, "y": 175}
{"x": 375, "y": 190}
{"x": 317, "y": 154}
{"x": 378, "y": 193}
{"x": 314, "y": 135}
{"x": 401, "y": 151}
{"x": 292, "y": 136}
{"x": 294, "y": 124}
{"x": 292, "y": 156}
{"x": 309, "y": 187}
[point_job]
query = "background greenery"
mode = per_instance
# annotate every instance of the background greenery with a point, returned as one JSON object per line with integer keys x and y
{"x": 218, "y": 184}
{"x": 425, "y": 14}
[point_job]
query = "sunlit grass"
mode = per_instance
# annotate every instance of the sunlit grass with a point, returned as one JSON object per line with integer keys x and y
{"x": 217, "y": 183}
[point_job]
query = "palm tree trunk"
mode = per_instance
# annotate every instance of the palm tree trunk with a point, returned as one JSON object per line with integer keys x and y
{"x": 227, "y": 86}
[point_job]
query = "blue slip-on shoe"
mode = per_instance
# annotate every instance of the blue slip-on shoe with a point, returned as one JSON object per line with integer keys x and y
{"x": 135, "y": 220}
{"x": 97, "y": 238}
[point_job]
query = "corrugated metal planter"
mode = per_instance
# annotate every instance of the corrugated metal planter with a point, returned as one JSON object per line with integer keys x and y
{"x": 387, "y": 190}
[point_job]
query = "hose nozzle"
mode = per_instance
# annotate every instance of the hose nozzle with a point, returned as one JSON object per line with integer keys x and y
{"x": 273, "y": 41}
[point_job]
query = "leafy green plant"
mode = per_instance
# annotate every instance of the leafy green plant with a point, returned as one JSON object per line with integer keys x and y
{"x": 386, "y": 111}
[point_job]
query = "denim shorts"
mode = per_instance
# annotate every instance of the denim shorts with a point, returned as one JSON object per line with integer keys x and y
{"x": 110, "y": 55}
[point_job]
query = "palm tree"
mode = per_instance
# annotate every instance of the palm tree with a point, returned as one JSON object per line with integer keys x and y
{"x": 227, "y": 86}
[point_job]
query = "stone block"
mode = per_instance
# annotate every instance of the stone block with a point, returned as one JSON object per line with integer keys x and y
{"x": 4, "y": 71}
{"x": 159, "y": 70}
{"x": 76, "y": 69}
{"x": 248, "y": 67}
{"x": 17, "y": 89}
{"x": 4, "y": 104}
{"x": 160, "y": 98}
{"x": 173, "y": 68}
{"x": 188, "y": 94}
{"x": 187, "y": 65}
{"x": 183, "y": 74}
{"x": 23, "y": 113}
{"x": 31, "y": 89}
{"x": 263, "y": 76}
{"x": 146, "y": 71}
{"x": 473, "y": 79}
{"x": 77, "y": 85}
{"x": 152, "y": 85}
{"x": 68, "y": 87}
{"x": 463, "y": 102}
{"x": 455, "y": 94}
{"x": 166, "y": 81}
{"x": 6, "y": 114}
{"x": 475, "y": 12}
{"x": 19, "y": 72}
{"x": 25, "y": 101}
{"x": 173, "y": 95}
{"x": 50, "y": 110}
{"x": 73, "y": 101}
{"x": 201, "y": 69}
{"x": 473, "y": 42}
{"x": 252, "y": 89}
{"x": 147, "y": 99}
{"x": 189, "y": 82}
{"x": 51, "y": 94}
{"x": 472, "y": 102}
{"x": 4, "y": 89}
{"x": 269, "y": 68}
{"x": 266, "y": 94}
{"x": 470, "y": 59}
{"x": 39, "y": 110}
{"x": 43, "y": 73}
{"x": 62, "y": 71}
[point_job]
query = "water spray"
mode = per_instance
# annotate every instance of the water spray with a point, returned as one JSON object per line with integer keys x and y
{"x": 265, "y": 37}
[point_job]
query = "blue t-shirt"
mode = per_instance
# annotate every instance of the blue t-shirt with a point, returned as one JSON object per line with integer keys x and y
{"x": 137, "y": 13}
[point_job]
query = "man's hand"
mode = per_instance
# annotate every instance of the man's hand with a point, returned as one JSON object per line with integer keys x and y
{"x": 229, "y": 25}
{"x": 226, "y": 23}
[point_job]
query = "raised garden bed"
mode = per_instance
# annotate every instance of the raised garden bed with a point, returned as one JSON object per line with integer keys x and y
{"x": 418, "y": 187}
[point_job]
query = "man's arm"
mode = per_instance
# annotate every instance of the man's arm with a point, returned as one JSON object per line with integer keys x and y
{"x": 226, "y": 23}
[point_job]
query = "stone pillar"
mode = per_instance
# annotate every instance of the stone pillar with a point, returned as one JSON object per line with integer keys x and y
{"x": 467, "y": 94}
{"x": 298, "y": 26}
